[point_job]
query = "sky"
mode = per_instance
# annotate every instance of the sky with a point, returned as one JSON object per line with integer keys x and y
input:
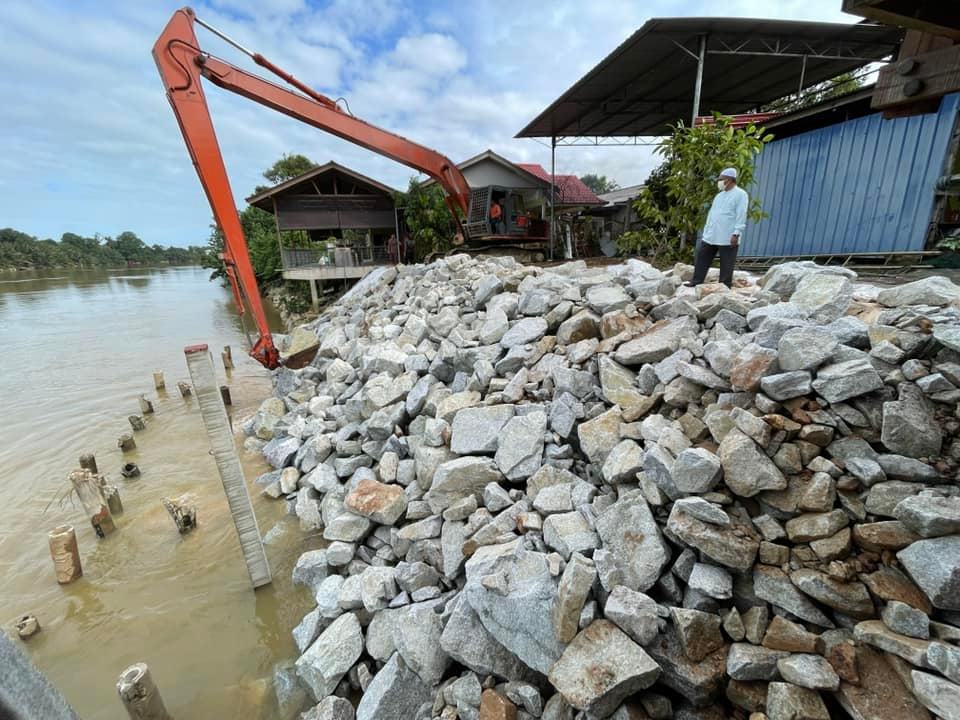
{"x": 89, "y": 144}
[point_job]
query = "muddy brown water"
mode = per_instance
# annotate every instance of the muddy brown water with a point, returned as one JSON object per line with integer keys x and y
{"x": 76, "y": 350}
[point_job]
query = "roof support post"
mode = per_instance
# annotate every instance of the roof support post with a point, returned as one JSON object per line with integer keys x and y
{"x": 553, "y": 199}
{"x": 396, "y": 224}
{"x": 276, "y": 222}
{"x": 803, "y": 72}
{"x": 698, "y": 85}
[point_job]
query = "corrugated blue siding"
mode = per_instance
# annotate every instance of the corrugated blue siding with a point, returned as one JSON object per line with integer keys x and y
{"x": 865, "y": 185}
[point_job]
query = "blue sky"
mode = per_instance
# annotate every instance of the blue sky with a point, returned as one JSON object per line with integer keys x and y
{"x": 89, "y": 143}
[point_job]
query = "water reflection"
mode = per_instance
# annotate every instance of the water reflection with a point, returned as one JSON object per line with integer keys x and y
{"x": 140, "y": 282}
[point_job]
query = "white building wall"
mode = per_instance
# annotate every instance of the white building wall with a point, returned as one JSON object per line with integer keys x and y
{"x": 489, "y": 172}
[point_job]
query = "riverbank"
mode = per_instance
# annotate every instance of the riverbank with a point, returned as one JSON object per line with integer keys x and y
{"x": 294, "y": 309}
{"x": 23, "y": 251}
{"x": 292, "y": 300}
{"x": 92, "y": 268}
{"x": 569, "y": 489}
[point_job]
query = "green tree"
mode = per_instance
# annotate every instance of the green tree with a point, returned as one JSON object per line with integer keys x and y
{"x": 674, "y": 202}
{"x": 19, "y": 250}
{"x": 286, "y": 168}
{"x": 428, "y": 217}
{"x": 211, "y": 255}
{"x": 130, "y": 247}
{"x": 842, "y": 84}
{"x": 259, "y": 226}
{"x": 599, "y": 183}
{"x": 259, "y": 231}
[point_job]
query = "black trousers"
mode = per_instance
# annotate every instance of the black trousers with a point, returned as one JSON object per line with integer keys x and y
{"x": 705, "y": 256}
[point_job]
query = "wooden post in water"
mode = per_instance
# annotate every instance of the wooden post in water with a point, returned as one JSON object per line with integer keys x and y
{"x": 126, "y": 442}
{"x": 146, "y": 407}
{"x": 184, "y": 388}
{"x": 227, "y": 356}
{"x": 89, "y": 462}
{"x": 158, "y": 382}
{"x": 112, "y": 495}
{"x": 137, "y": 422}
{"x": 140, "y": 695}
{"x": 90, "y": 491}
{"x": 65, "y": 553}
{"x": 183, "y": 510}
{"x": 224, "y": 450}
{"x": 225, "y": 395}
{"x": 27, "y": 626}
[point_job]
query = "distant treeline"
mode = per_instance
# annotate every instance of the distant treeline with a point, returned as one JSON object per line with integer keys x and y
{"x": 21, "y": 251}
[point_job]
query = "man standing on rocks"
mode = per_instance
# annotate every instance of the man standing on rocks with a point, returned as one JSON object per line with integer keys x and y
{"x": 723, "y": 229}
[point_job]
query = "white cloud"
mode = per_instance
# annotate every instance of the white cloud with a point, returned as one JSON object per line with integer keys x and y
{"x": 431, "y": 54}
{"x": 89, "y": 142}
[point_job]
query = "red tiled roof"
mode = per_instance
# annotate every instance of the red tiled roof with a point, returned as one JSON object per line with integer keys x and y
{"x": 570, "y": 189}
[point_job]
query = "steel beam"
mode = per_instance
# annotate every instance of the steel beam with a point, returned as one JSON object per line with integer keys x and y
{"x": 698, "y": 83}
{"x": 553, "y": 199}
{"x": 607, "y": 141}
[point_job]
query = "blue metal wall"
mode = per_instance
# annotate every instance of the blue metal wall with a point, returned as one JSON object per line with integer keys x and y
{"x": 865, "y": 185}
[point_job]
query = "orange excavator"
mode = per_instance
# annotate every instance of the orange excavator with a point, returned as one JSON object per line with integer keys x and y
{"x": 182, "y": 63}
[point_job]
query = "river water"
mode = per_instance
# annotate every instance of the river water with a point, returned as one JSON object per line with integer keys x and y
{"x": 76, "y": 350}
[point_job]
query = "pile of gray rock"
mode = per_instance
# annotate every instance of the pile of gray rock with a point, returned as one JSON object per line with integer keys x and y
{"x": 592, "y": 492}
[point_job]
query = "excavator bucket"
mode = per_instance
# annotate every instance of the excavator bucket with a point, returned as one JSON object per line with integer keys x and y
{"x": 300, "y": 349}
{"x": 299, "y": 359}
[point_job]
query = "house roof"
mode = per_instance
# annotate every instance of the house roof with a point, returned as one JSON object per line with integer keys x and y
{"x": 489, "y": 154}
{"x": 571, "y": 190}
{"x": 647, "y": 82}
{"x": 260, "y": 197}
{"x": 620, "y": 195}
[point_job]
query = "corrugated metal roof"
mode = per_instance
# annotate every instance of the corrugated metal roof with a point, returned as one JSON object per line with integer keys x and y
{"x": 570, "y": 189}
{"x": 647, "y": 82}
{"x": 864, "y": 185}
{"x": 621, "y": 195}
{"x": 260, "y": 199}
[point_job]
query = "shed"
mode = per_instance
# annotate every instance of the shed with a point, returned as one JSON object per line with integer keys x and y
{"x": 839, "y": 179}
{"x": 330, "y": 201}
{"x": 326, "y": 201}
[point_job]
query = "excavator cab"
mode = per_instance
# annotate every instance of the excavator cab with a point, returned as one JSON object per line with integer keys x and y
{"x": 520, "y": 235}
{"x": 515, "y": 220}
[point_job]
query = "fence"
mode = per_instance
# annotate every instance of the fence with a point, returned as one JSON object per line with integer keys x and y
{"x": 859, "y": 186}
{"x": 303, "y": 257}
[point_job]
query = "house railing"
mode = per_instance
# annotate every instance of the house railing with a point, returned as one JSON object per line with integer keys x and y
{"x": 301, "y": 257}
{"x": 293, "y": 258}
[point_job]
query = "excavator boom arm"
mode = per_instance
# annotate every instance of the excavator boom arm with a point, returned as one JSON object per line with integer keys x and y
{"x": 336, "y": 122}
{"x": 182, "y": 63}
